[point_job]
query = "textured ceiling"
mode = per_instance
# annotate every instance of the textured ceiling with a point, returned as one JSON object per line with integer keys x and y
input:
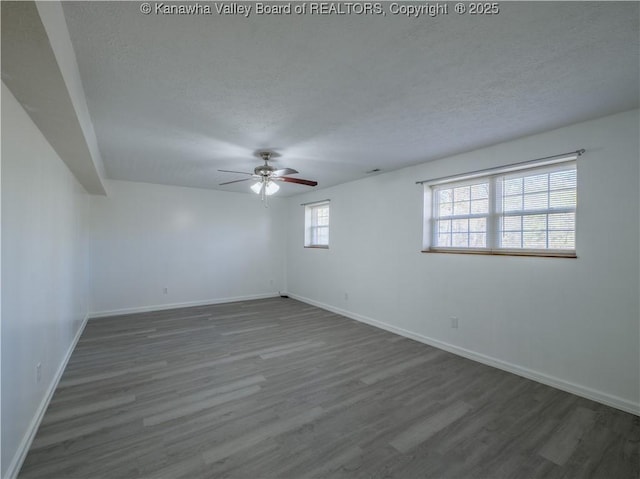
{"x": 174, "y": 98}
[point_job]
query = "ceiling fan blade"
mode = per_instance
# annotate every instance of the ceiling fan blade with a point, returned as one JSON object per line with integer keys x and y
{"x": 300, "y": 181}
{"x": 284, "y": 171}
{"x": 239, "y": 172}
{"x": 234, "y": 181}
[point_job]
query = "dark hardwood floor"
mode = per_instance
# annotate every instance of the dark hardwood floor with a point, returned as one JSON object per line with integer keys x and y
{"x": 280, "y": 389}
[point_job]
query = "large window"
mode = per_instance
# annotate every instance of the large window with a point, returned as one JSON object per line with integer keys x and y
{"x": 317, "y": 225}
{"x": 529, "y": 211}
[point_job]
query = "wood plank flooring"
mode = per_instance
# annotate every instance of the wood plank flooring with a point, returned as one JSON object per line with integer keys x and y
{"x": 279, "y": 389}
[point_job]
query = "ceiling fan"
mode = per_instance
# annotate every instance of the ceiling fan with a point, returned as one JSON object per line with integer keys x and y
{"x": 266, "y": 177}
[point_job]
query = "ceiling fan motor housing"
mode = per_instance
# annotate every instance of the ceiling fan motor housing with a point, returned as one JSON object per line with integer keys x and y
{"x": 266, "y": 169}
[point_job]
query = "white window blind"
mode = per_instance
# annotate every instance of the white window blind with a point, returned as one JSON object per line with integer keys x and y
{"x": 462, "y": 212}
{"x": 538, "y": 210}
{"x": 530, "y": 211}
{"x": 317, "y": 225}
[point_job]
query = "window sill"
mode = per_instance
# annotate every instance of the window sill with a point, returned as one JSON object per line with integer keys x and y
{"x": 314, "y": 246}
{"x": 542, "y": 254}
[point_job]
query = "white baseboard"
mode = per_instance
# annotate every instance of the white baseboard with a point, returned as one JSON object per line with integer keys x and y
{"x": 25, "y": 444}
{"x": 161, "y": 307}
{"x": 578, "y": 390}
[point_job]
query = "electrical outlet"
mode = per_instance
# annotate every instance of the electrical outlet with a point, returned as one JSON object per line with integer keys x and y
{"x": 346, "y": 296}
{"x": 271, "y": 282}
{"x": 165, "y": 291}
{"x": 454, "y": 322}
{"x": 38, "y": 372}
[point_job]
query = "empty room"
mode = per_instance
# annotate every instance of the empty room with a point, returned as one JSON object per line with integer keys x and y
{"x": 262, "y": 240}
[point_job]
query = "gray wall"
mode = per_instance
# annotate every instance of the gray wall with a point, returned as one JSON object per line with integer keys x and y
{"x": 45, "y": 274}
{"x": 203, "y": 246}
{"x": 572, "y": 323}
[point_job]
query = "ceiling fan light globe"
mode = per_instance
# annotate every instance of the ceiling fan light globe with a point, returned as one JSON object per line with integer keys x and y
{"x": 256, "y": 187}
{"x": 271, "y": 188}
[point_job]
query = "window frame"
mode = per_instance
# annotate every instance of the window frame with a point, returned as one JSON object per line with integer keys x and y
{"x": 495, "y": 214}
{"x": 311, "y": 239}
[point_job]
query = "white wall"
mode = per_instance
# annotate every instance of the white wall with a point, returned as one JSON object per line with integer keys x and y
{"x": 203, "y": 246}
{"x": 44, "y": 274}
{"x": 573, "y": 323}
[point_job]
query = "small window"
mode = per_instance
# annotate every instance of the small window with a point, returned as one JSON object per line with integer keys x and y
{"x": 530, "y": 211}
{"x": 317, "y": 225}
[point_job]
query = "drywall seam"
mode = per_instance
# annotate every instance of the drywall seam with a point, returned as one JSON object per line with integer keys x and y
{"x": 558, "y": 383}
{"x": 25, "y": 444}
{"x": 161, "y": 307}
